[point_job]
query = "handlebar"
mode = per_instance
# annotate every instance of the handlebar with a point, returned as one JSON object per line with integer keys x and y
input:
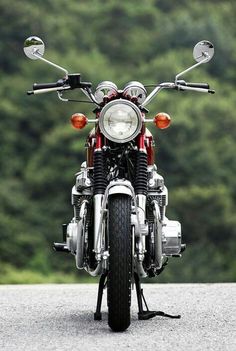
{"x": 200, "y": 87}
{"x": 47, "y": 90}
{"x": 39, "y": 86}
{"x": 180, "y": 85}
{"x": 193, "y": 85}
{"x": 73, "y": 81}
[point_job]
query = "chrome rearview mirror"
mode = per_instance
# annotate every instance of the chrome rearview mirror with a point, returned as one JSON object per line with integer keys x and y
{"x": 203, "y": 51}
{"x": 34, "y": 48}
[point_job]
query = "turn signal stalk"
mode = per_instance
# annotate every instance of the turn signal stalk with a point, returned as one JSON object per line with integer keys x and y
{"x": 78, "y": 120}
{"x": 162, "y": 120}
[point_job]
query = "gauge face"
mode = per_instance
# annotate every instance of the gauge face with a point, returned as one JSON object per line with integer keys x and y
{"x": 120, "y": 121}
{"x": 105, "y": 88}
{"x": 137, "y": 90}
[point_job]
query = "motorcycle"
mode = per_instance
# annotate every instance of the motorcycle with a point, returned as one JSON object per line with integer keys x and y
{"x": 119, "y": 230}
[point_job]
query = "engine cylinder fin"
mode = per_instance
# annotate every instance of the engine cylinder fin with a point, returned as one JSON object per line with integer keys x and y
{"x": 161, "y": 200}
{"x": 77, "y": 202}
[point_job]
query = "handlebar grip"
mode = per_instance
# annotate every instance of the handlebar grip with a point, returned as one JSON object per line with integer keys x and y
{"x": 194, "y": 85}
{"x": 198, "y": 85}
{"x": 57, "y": 84}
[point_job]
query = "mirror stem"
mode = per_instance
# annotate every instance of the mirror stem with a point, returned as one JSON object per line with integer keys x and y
{"x": 36, "y": 54}
{"x": 192, "y": 67}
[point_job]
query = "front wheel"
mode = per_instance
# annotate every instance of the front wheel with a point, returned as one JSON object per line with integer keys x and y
{"x": 120, "y": 262}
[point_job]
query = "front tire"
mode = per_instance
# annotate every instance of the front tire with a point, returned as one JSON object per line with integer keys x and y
{"x": 120, "y": 262}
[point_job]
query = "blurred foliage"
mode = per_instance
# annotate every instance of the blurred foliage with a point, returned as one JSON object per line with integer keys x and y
{"x": 149, "y": 41}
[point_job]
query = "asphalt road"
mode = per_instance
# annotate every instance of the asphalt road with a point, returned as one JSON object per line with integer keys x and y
{"x": 60, "y": 317}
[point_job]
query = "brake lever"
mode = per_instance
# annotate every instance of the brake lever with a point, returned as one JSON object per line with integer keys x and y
{"x": 48, "y": 90}
{"x": 200, "y": 90}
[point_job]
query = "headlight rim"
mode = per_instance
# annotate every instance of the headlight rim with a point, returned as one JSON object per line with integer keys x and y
{"x": 139, "y": 120}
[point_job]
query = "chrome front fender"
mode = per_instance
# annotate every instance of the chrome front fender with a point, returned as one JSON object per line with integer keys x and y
{"x": 120, "y": 186}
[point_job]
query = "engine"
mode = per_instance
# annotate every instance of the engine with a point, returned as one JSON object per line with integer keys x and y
{"x": 77, "y": 229}
{"x": 168, "y": 234}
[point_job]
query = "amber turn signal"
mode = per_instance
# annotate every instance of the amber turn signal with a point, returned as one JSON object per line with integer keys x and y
{"x": 162, "y": 120}
{"x": 78, "y": 120}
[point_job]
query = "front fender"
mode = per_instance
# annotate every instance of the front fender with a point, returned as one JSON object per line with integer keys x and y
{"x": 120, "y": 186}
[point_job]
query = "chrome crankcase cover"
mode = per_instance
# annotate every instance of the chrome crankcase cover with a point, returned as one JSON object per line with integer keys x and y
{"x": 171, "y": 238}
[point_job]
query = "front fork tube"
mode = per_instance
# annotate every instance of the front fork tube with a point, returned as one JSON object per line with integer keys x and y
{"x": 98, "y": 244}
{"x": 141, "y": 213}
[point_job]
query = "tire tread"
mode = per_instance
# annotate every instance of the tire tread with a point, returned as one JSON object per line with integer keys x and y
{"x": 119, "y": 274}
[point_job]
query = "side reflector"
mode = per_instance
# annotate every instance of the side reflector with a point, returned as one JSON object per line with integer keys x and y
{"x": 162, "y": 120}
{"x": 78, "y": 120}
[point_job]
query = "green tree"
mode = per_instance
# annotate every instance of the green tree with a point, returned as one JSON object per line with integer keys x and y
{"x": 148, "y": 41}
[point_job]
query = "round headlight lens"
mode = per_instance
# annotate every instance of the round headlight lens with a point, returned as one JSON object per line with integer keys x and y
{"x": 120, "y": 121}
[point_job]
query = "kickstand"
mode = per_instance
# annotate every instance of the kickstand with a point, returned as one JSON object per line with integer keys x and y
{"x": 102, "y": 284}
{"x": 143, "y": 315}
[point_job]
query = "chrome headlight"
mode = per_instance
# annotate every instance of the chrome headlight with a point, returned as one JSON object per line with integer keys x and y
{"x": 120, "y": 121}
